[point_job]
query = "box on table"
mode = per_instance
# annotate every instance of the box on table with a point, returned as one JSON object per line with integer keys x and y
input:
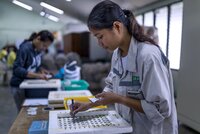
{"x": 39, "y": 88}
{"x": 57, "y": 97}
{"x": 38, "y": 127}
{"x": 84, "y": 99}
{"x": 75, "y": 85}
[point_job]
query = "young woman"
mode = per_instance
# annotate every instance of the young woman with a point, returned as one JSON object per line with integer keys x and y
{"x": 140, "y": 82}
{"x": 27, "y": 63}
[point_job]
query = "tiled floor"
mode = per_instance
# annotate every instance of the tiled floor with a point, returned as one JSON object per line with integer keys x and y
{"x": 8, "y": 113}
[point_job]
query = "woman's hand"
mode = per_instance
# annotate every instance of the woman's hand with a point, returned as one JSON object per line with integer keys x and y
{"x": 37, "y": 75}
{"x": 105, "y": 99}
{"x": 42, "y": 76}
{"x": 108, "y": 98}
{"x": 48, "y": 74}
{"x": 44, "y": 71}
{"x": 77, "y": 107}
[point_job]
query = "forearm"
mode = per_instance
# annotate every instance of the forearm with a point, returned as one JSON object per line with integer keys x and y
{"x": 44, "y": 71}
{"x": 132, "y": 103}
{"x": 32, "y": 75}
{"x": 94, "y": 104}
{"x": 111, "y": 98}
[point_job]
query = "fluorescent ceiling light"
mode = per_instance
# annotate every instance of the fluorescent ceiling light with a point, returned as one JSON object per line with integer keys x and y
{"x": 68, "y": 0}
{"x": 22, "y": 5}
{"x": 42, "y": 13}
{"x": 53, "y": 18}
{"x": 51, "y": 8}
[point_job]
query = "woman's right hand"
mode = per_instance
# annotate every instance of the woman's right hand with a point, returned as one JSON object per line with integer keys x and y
{"x": 42, "y": 76}
{"x": 37, "y": 75}
{"x": 78, "y": 106}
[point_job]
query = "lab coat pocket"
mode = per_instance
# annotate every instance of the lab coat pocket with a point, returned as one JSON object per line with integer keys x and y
{"x": 134, "y": 92}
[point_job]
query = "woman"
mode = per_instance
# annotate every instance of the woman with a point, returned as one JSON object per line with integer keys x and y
{"x": 27, "y": 63}
{"x": 140, "y": 82}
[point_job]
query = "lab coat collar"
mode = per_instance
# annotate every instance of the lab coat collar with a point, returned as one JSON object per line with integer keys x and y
{"x": 131, "y": 57}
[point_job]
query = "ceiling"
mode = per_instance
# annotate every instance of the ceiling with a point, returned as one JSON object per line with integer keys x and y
{"x": 80, "y": 9}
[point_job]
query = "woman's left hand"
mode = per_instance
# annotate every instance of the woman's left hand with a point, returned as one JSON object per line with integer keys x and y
{"x": 108, "y": 98}
{"x": 44, "y": 71}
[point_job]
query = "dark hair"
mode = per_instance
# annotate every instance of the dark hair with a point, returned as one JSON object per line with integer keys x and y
{"x": 33, "y": 36}
{"x": 151, "y": 30}
{"x": 106, "y": 12}
{"x": 45, "y": 35}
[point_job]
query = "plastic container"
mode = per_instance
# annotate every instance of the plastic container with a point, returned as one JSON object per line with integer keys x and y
{"x": 38, "y": 93}
{"x": 75, "y": 85}
{"x": 38, "y": 127}
{"x": 68, "y": 101}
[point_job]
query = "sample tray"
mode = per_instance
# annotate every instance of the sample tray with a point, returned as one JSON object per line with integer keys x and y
{"x": 38, "y": 84}
{"x": 89, "y": 122}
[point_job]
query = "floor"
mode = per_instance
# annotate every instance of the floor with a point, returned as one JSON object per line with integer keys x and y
{"x": 8, "y": 110}
{"x": 8, "y": 113}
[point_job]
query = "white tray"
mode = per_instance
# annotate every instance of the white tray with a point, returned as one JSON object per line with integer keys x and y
{"x": 58, "y": 96}
{"x": 38, "y": 83}
{"x": 89, "y": 122}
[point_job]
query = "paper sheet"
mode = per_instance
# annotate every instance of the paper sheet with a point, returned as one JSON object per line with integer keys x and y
{"x": 35, "y": 102}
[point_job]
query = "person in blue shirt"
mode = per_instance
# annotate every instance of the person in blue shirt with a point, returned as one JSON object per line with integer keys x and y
{"x": 27, "y": 63}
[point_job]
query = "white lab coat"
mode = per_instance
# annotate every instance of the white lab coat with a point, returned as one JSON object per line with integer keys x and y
{"x": 146, "y": 77}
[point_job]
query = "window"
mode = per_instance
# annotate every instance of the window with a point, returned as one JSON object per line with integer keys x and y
{"x": 175, "y": 33}
{"x": 139, "y": 19}
{"x": 170, "y": 43}
{"x": 161, "y": 24}
{"x": 148, "y": 19}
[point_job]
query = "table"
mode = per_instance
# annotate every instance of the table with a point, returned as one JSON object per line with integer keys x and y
{"x": 23, "y": 121}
